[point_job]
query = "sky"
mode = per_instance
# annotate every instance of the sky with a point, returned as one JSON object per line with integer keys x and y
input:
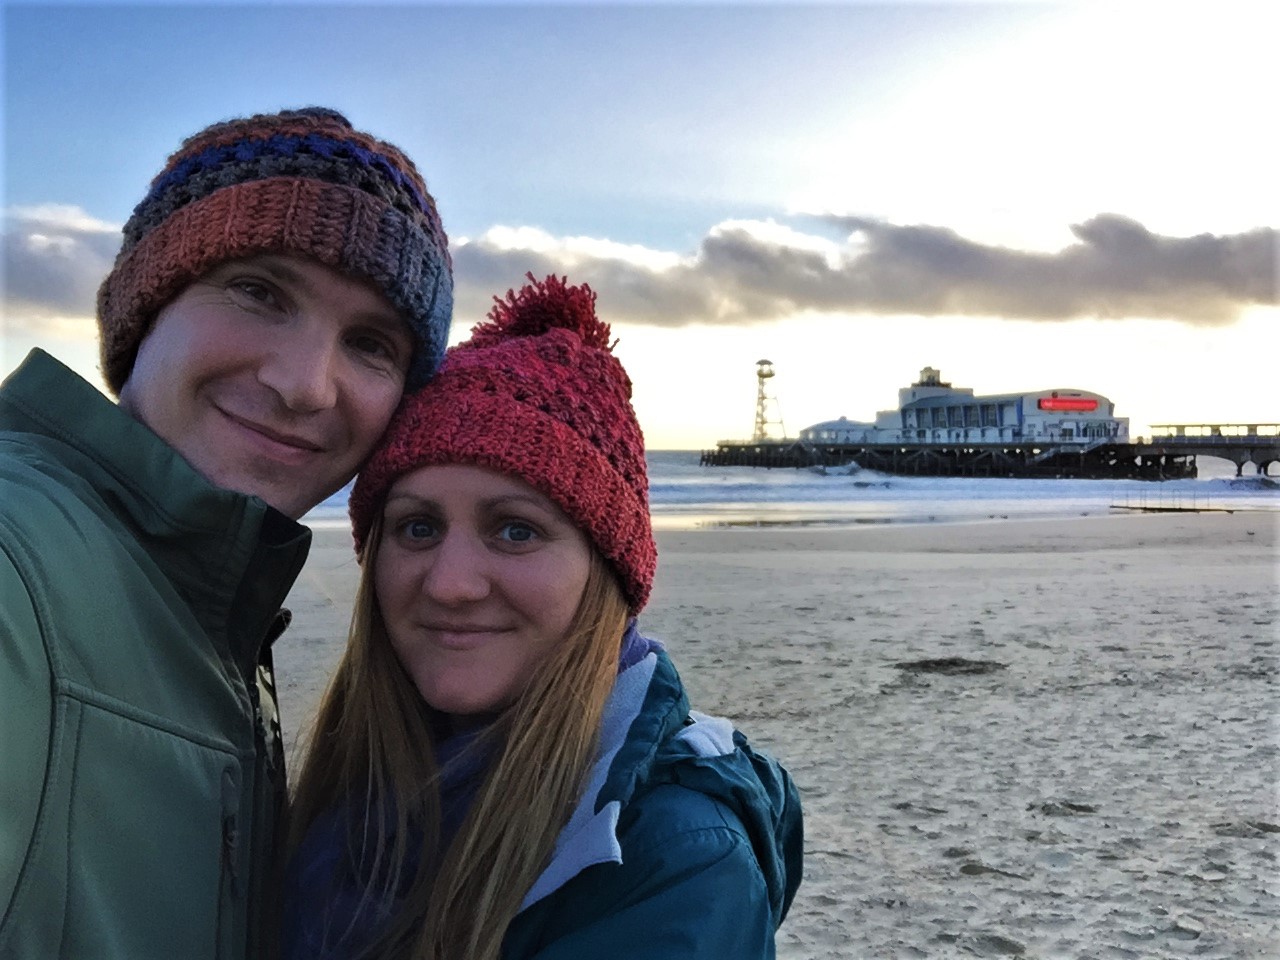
{"x": 1024, "y": 195}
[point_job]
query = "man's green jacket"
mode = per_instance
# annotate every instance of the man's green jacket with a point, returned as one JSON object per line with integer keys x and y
{"x": 141, "y": 774}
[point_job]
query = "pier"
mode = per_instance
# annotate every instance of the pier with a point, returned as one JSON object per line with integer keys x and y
{"x": 1169, "y": 454}
{"x": 1241, "y": 443}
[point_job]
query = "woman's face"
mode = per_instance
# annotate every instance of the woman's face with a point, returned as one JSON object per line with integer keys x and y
{"x": 478, "y": 577}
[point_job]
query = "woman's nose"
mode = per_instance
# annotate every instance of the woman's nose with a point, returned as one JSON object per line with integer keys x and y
{"x": 459, "y": 571}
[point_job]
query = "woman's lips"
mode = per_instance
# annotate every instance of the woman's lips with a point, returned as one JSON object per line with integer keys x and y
{"x": 460, "y": 637}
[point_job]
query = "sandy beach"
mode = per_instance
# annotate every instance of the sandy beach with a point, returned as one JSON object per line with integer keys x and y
{"x": 1086, "y": 765}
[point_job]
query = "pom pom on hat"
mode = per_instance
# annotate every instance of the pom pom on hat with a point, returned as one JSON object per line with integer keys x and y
{"x": 536, "y": 393}
{"x": 541, "y": 306}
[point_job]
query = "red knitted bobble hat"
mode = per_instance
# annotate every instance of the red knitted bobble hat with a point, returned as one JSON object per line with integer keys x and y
{"x": 535, "y": 393}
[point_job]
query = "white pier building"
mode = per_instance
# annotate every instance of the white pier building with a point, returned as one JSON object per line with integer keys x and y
{"x": 932, "y": 411}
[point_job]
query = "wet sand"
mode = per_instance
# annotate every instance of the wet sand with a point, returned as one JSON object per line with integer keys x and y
{"x": 1088, "y": 768}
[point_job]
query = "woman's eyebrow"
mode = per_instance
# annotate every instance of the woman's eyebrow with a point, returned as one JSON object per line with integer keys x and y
{"x": 509, "y": 498}
{"x": 488, "y": 503}
{"x": 408, "y": 498}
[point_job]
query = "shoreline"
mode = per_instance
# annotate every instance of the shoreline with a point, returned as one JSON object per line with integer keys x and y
{"x": 684, "y": 495}
{"x": 821, "y": 516}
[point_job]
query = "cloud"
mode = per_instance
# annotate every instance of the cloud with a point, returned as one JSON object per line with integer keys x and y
{"x": 745, "y": 271}
{"x": 54, "y": 259}
{"x": 1116, "y": 269}
{"x": 640, "y": 284}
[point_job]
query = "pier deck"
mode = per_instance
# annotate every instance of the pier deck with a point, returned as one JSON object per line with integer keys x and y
{"x": 1162, "y": 457}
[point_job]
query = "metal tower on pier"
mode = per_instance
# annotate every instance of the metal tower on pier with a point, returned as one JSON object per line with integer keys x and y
{"x": 764, "y": 371}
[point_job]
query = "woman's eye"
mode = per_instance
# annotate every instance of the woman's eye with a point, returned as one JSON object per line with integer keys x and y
{"x": 417, "y": 529}
{"x": 517, "y": 531}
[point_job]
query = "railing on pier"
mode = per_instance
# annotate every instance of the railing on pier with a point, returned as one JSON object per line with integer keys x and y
{"x": 1225, "y": 432}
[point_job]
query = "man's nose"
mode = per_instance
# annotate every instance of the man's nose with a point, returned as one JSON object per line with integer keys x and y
{"x": 302, "y": 369}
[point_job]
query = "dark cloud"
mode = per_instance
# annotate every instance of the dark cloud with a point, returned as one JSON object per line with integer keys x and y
{"x": 54, "y": 260}
{"x": 635, "y": 293}
{"x": 1116, "y": 269}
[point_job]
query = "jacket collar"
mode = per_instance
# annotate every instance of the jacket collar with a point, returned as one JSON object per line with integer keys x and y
{"x": 231, "y": 557}
{"x": 646, "y": 706}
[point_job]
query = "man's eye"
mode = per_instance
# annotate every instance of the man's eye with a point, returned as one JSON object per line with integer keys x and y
{"x": 370, "y": 344}
{"x": 517, "y": 532}
{"x": 374, "y": 346}
{"x": 380, "y": 351}
{"x": 254, "y": 290}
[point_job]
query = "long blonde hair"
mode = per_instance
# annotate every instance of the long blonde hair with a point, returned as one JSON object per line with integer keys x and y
{"x": 371, "y": 748}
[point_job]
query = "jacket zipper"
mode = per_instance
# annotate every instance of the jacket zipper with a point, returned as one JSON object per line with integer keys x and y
{"x": 231, "y": 831}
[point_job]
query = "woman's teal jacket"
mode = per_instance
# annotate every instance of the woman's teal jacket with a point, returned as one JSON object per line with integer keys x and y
{"x": 687, "y": 844}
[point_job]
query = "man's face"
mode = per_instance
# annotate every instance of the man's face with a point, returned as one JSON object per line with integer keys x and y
{"x": 272, "y": 376}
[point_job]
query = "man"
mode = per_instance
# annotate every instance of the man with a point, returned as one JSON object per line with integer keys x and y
{"x": 284, "y": 281}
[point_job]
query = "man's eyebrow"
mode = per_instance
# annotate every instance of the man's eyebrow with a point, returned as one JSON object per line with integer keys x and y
{"x": 280, "y": 270}
{"x": 389, "y": 321}
{"x": 388, "y": 318}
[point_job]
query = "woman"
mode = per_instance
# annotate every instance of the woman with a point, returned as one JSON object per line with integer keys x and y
{"x": 503, "y": 766}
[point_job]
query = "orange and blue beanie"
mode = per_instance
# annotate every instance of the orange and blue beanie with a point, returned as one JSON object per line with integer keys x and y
{"x": 298, "y": 182}
{"x": 536, "y": 393}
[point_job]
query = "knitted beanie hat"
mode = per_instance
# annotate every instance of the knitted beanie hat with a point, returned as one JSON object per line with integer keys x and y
{"x": 297, "y": 182}
{"x": 536, "y": 393}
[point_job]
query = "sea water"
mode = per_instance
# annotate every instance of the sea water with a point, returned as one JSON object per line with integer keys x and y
{"x": 684, "y": 495}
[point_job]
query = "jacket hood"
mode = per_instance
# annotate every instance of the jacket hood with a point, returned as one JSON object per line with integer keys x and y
{"x": 708, "y": 755}
{"x": 651, "y": 738}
